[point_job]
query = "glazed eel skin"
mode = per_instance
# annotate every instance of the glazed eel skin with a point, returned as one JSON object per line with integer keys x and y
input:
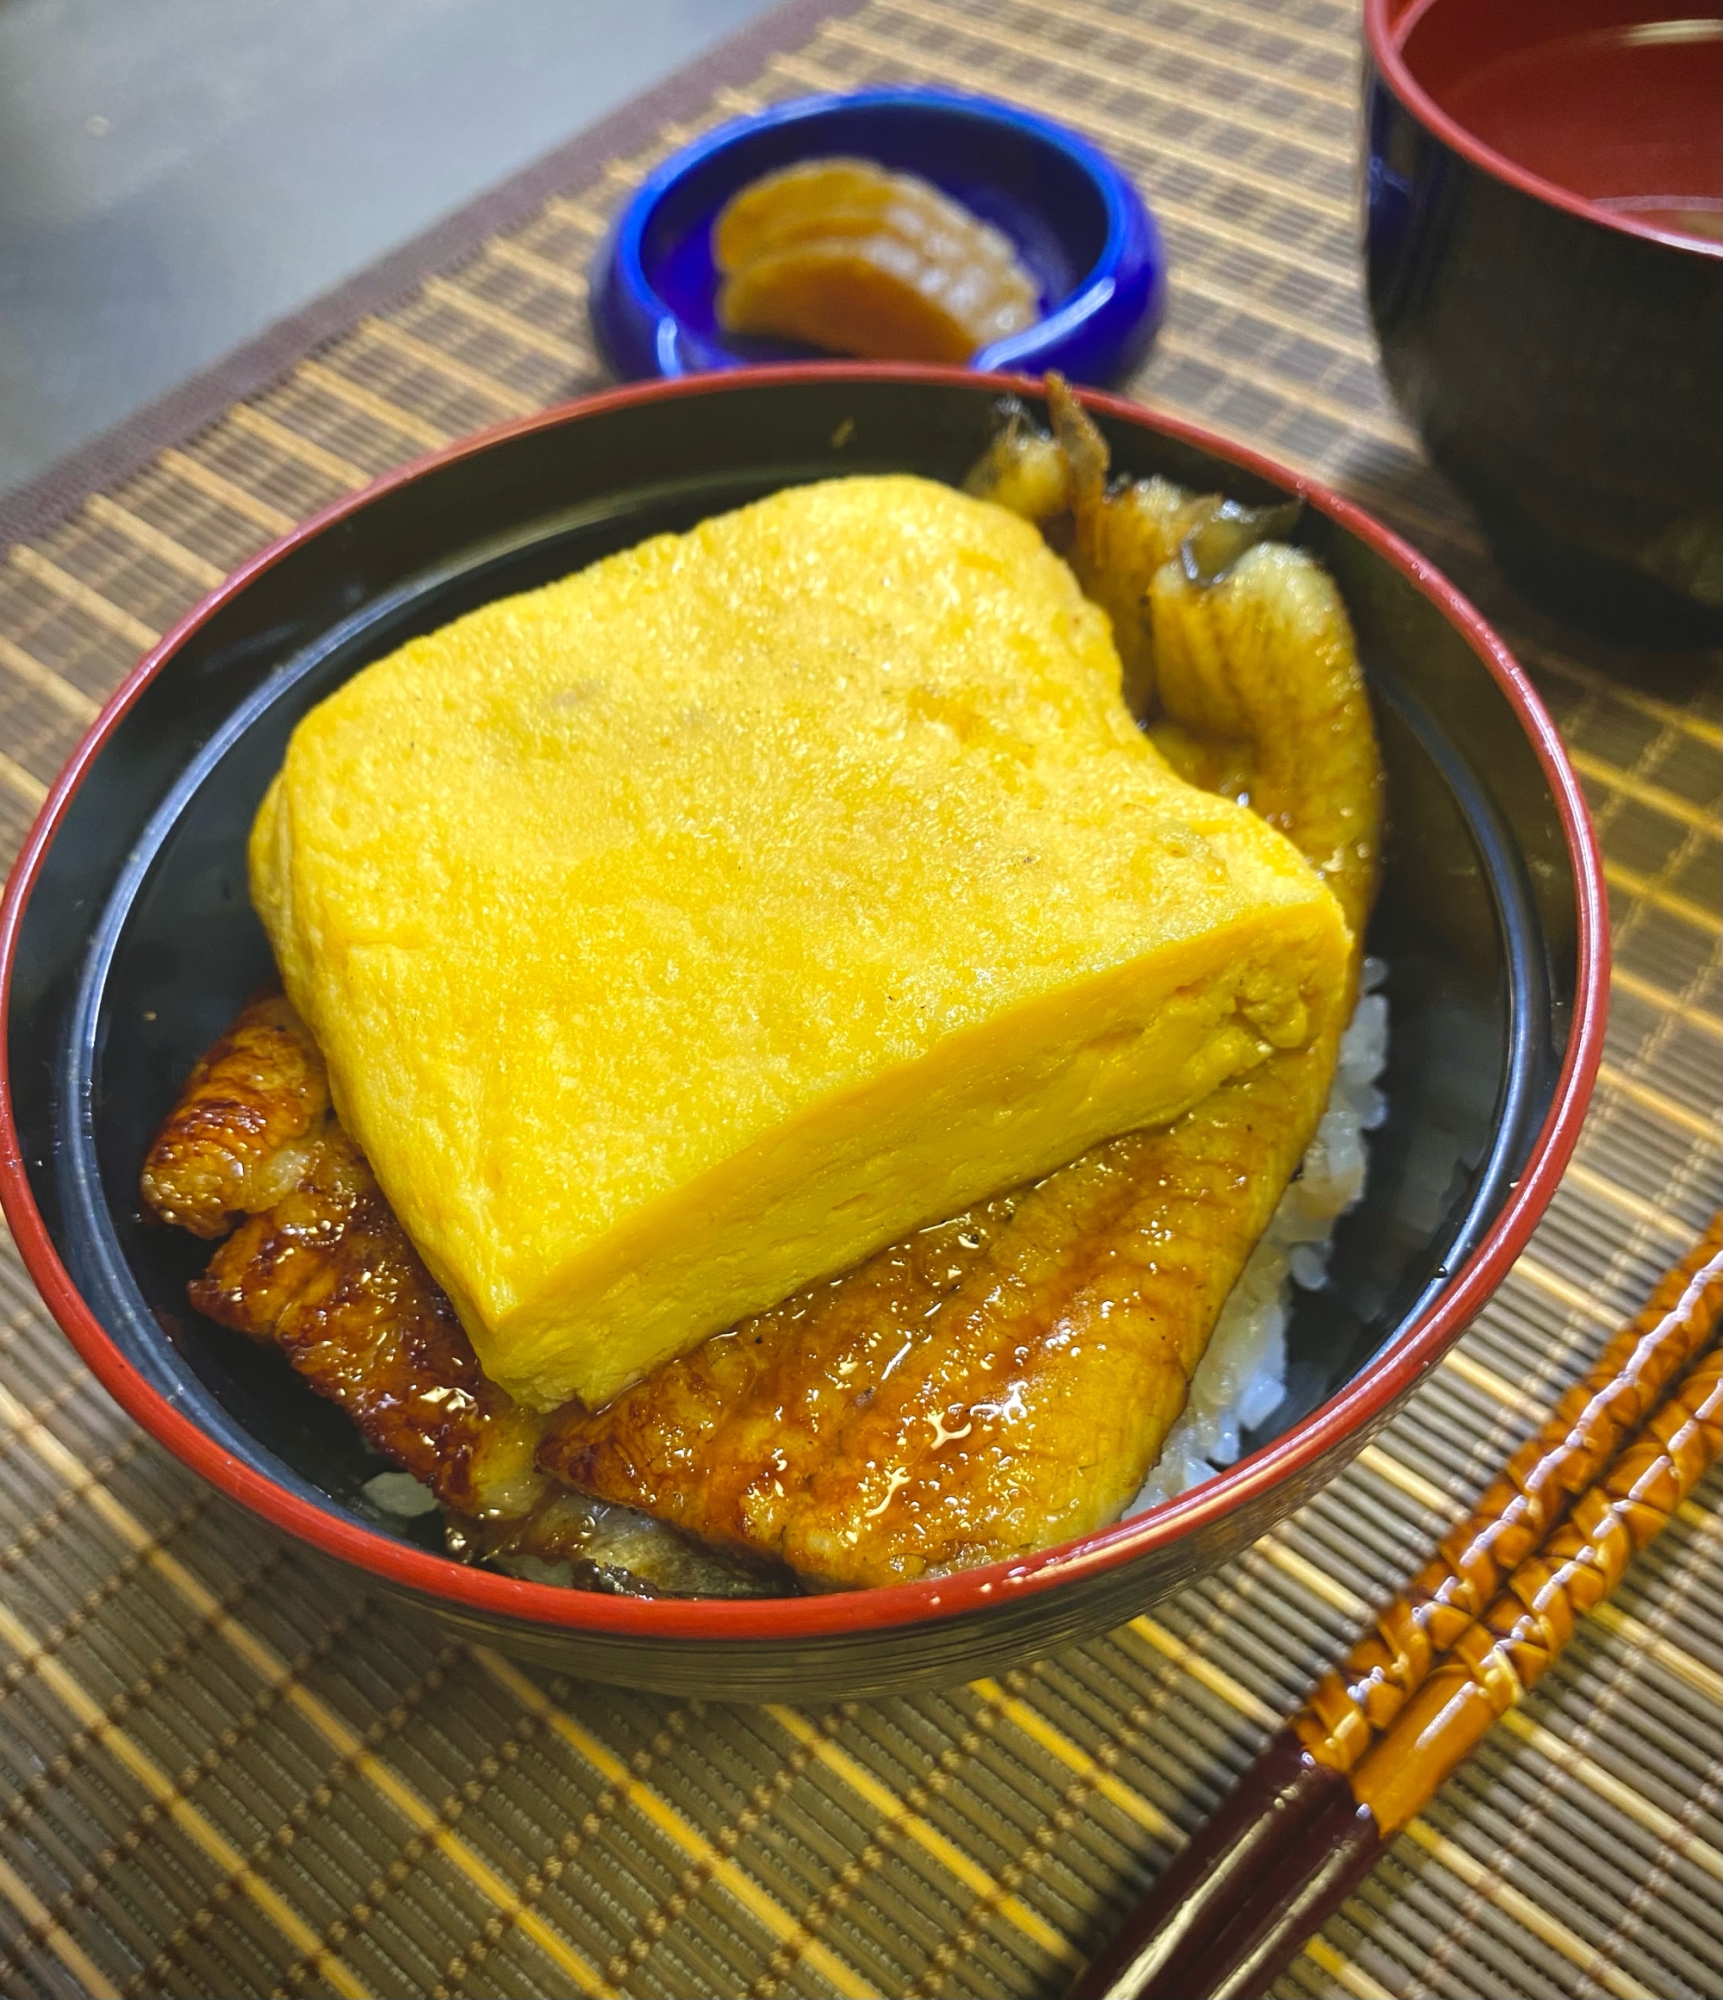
{"x": 991, "y": 1387}
{"x": 988, "y": 1387}
{"x": 319, "y": 1266}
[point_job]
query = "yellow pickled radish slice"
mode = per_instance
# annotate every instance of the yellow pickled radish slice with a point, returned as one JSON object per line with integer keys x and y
{"x": 870, "y": 295}
{"x": 837, "y": 197}
{"x": 843, "y": 254}
{"x": 849, "y": 197}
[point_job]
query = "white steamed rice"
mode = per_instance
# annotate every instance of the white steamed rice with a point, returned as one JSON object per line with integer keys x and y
{"x": 1242, "y": 1377}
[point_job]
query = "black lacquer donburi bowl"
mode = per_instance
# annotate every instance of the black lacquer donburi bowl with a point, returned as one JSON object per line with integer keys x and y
{"x": 128, "y": 941}
{"x": 1542, "y": 192}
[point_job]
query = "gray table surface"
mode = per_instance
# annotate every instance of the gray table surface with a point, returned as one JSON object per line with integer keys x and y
{"x": 177, "y": 174}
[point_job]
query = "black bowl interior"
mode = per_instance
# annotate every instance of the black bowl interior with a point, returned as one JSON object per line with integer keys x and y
{"x": 140, "y": 943}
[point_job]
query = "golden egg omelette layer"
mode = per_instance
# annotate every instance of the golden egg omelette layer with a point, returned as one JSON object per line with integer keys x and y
{"x": 684, "y": 931}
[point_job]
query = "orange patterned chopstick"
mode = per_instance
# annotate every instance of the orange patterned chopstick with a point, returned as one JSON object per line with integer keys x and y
{"x": 1491, "y": 1666}
{"x": 1347, "y": 1708}
{"x": 1298, "y": 1832}
{"x": 1501, "y": 1656}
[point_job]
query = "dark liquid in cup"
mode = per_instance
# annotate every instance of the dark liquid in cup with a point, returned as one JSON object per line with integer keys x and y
{"x": 1625, "y": 113}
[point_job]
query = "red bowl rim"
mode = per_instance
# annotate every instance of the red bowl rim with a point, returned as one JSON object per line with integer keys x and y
{"x": 1385, "y": 37}
{"x": 1361, "y": 1402}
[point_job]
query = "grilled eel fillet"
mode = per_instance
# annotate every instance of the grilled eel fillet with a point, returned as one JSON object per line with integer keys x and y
{"x": 1006, "y": 1381}
{"x": 319, "y": 1266}
{"x": 1000, "y": 1383}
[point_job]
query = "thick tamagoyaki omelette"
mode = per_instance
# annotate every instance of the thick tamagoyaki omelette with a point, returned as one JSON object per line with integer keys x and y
{"x": 685, "y": 931}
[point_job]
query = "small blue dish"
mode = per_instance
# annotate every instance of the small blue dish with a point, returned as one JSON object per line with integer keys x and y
{"x": 1079, "y": 226}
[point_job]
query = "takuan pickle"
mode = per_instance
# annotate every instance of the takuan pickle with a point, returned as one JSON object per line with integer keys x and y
{"x": 847, "y": 256}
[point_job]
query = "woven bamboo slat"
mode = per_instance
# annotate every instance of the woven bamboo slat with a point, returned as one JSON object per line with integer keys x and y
{"x": 222, "y": 1774}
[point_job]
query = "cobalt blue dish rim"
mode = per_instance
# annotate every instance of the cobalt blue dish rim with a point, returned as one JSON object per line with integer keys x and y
{"x": 1096, "y": 331}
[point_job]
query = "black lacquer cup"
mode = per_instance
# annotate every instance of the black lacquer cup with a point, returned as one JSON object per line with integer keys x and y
{"x": 1542, "y": 206}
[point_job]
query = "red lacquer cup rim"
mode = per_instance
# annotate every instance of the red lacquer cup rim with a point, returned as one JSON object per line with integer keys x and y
{"x": 1385, "y": 37}
{"x": 1366, "y": 1398}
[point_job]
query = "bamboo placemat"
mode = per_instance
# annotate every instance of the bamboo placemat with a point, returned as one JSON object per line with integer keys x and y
{"x": 224, "y": 1774}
